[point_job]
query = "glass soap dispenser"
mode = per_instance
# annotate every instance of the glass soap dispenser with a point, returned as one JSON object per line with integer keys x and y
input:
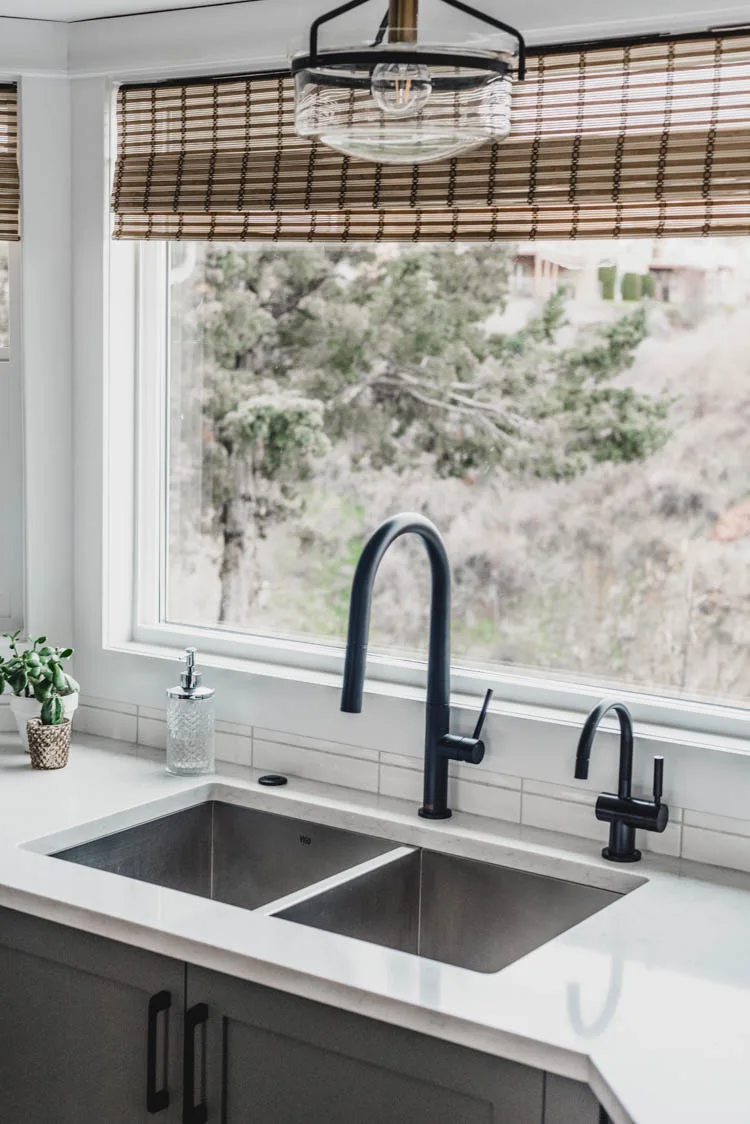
{"x": 190, "y": 723}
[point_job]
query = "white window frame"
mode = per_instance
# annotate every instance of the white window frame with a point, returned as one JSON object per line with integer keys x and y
{"x": 524, "y": 689}
{"x": 12, "y": 449}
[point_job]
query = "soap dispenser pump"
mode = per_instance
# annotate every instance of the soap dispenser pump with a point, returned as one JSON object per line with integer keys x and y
{"x": 190, "y": 723}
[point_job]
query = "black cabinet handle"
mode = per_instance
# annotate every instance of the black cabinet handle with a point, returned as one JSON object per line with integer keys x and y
{"x": 157, "y": 1099}
{"x": 193, "y": 1113}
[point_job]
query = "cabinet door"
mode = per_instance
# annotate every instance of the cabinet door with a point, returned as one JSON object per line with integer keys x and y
{"x": 569, "y": 1102}
{"x": 263, "y": 1056}
{"x": 77, "y": 1016}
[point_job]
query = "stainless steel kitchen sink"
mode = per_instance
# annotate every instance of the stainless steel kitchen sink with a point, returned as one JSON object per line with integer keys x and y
{"x": 459, "y": 911}
{"x": 228, "y": 853}
{"x": 471, "y": 914}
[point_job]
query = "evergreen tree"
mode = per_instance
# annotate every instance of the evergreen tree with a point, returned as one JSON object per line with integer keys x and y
{"x": 391, "y": 355}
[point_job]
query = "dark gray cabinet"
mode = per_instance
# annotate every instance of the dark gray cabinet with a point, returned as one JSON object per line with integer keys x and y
{"x": 568, "y": 1102}
{"x": 283, "y": 1060}
{"x": 74, "y": 1027}
{"x": 86, "y": 1037}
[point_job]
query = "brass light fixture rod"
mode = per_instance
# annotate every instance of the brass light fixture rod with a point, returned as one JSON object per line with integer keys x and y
{"x": 402, "y": 21}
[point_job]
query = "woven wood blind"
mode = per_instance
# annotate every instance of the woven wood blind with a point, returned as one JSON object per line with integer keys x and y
{"x": 10, "y": 186}
{"x": 650, "y": 139}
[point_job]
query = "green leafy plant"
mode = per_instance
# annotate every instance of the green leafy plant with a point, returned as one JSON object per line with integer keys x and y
{"x": 631, "y": 287}
{"x": 608, "y": 281}
{"x": 648, "y": 286}
{"x": 36, "y": 672}
{"x": 53, "y": 712}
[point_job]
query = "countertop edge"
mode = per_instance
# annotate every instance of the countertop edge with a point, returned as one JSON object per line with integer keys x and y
{"x": 245, "y": 966}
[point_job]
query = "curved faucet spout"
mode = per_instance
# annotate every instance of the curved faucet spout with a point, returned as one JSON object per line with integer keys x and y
{"x": 438, "y": 674}
{"x": 586, "y": 740}
{"x": 440, "y": 745}
{"x": 623, "y": 812}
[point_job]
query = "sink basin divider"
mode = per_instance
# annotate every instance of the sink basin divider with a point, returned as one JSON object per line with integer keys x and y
{"x": 298, "y": 897}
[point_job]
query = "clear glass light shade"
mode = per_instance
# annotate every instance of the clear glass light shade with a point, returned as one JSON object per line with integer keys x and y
{"x": 402, "y": 113}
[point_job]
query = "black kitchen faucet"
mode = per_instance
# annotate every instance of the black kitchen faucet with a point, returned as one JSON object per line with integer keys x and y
{"x": 440, "y": 745}
{"x": 623, "y": 812}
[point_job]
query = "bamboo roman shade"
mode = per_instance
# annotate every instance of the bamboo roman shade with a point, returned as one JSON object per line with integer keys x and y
{"x": 649, "y": 139}
{"x": 10, "y": 187}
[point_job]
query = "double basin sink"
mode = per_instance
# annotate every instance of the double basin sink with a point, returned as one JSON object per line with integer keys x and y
{"x": 458, "y": 911}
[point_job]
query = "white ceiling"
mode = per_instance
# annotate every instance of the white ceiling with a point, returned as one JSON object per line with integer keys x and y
{"x": 542, "y": 12}
{"x": 65, "y": 10}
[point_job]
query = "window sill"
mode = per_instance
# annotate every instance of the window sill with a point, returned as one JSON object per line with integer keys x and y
{"x": 527, "y": 743}
{"x": 661, "y": 722}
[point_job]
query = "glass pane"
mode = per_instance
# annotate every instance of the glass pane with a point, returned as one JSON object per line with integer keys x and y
{"x": 4, "y": 296}
{"x": 574, "y": 417}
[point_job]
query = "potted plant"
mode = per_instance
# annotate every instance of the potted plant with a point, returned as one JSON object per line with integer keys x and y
{"x": 49, "y": 736}
{"x": 35, "y": 676}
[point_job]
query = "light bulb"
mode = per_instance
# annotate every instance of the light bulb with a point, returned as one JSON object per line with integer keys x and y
{"x": 401, "y": 89}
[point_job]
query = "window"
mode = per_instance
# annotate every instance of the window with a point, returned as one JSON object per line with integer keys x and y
{"x": 573, "y": 416}
{"x": 4, "y": 301}
{"x": 333, "y": 342}
{"x": 11, "y": 457}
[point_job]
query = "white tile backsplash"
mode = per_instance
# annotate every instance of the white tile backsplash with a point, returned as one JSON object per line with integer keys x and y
{"x": 477, "y": 774}
{"x": 317, "y": 744}
{"x": 667, "y": 842}
{"x": 566, "y": 816}
{"x": 314, "y": 765}
{"x": 158, "y": 714}
{"x": 559, "y": 792}
{"x": 107, "y": 704}
{"x": 582, "y": 795}
{"x": 481, "y": 790}
{"x": 725, "y": 824}
{"x": 715, "y": 848}
{"x": 106, "y": 723}
{"x": 152, "y": 732}
{"x": 234, "y": 728}
{"x": 404, "y": 784}
{"x": 397, "y": 761}
{"x": 234, "y": 744}
{"x": 577, "y": 817}
{"x": 486, "y": 800}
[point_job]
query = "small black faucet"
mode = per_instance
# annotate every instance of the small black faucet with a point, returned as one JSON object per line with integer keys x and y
{"x": 440, "y": 745}
{"x": 623, "y": 812}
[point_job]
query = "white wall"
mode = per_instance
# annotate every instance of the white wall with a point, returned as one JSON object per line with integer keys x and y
{"x": 47, "y": 342}
{"x": 11, "y": 462}
{"x": 36, "y": 50}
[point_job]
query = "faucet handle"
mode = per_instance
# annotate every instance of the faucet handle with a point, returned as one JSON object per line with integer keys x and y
{"x": 460, "y": 747}
{"x": 482, "y": 714}
{"x": 658, "y": 779}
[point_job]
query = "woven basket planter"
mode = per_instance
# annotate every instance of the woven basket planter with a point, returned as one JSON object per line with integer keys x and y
{"x": 49, "y": 746}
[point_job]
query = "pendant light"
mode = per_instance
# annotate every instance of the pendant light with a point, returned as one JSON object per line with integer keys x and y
{"x": 399, "y": 100}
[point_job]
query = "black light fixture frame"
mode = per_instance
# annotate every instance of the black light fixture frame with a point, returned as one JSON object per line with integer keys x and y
{"x": 370, "y": 57}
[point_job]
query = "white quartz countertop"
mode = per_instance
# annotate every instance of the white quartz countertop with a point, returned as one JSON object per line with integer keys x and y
{"x": 648, "y": 1001}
